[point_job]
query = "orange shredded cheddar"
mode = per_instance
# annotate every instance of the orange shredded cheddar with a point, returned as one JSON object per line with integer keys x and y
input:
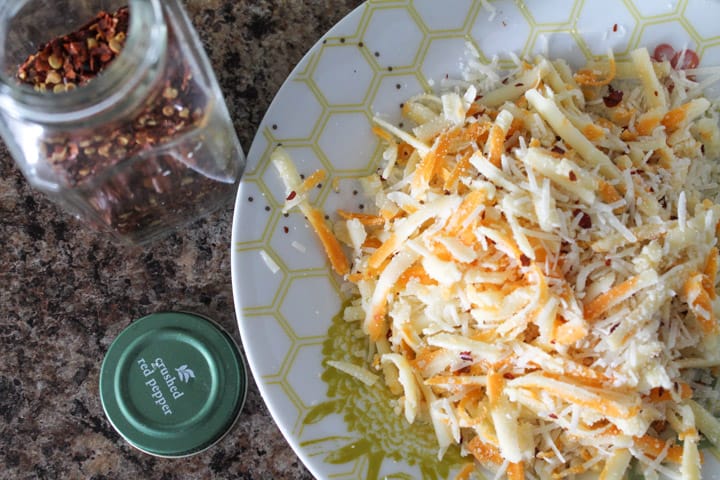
{"x": 672, "y": 119}
{"x": 602, "y": 302}
{"x": 378, "y": 325}
{"x": 417, "y": 272}
{"x": 429, "y": 165}
{"x": 441, "y": 252}
{"x": 425, "y": 171}
{"x": 372, "y": 242}
{"x": 465, "y": 472}
{"x": 659, "y": 394}
{"x": 356, "y": 277}
{"x": 622, "y": 116}
{"x": 484, "y": 452}
{"x": 653, "y": 447}
{"x": 475, "y": 109}
{"x": 467, "y": 235}
{"x": 330, "y": 243}
{"x": 364, "y": 218}
{"x": 605, "y": 123}
{"x": 470, "y": 204}
{"x": 647, "y": 123}
{"x": 383, "y": 252}
{"x": 593, "y": 132}
{"x": 495, "y": 383}
{"x": 628, "y": 136}
{"x": 608, "y": 193}
{"x": 700, "y": 302}
{"x": 516, "y": 471}
{"x": 381, "y": 133}
{"x": 585, "y": 376}
{"x": 461, "y": 167}
{"x": 496, "y": 145}
{"x": 405, "y": 150}
{"x": 569, "y": 333}
{"x": 710, "y": 273}
{"x": 600, "y": 404}
{"x": 589, "y": 78}
{"x": 313, "y": 181}
{"x": 425, "y": 356}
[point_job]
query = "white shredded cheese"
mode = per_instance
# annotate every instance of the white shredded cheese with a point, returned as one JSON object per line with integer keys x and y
{"x": 355, "y": 371}
{"x": 538, "y": 277}
{"x": 269, "y": 262}
{"x": 298, "y": 246}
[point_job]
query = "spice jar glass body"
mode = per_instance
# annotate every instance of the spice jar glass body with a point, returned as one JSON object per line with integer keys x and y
{"x": 118, "y": 117}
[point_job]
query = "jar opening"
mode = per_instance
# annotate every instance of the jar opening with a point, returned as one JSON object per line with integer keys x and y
{"x": 28, "y": 25}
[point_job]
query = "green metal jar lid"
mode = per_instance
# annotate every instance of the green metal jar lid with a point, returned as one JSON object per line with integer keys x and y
{"x": 172, "y": 384}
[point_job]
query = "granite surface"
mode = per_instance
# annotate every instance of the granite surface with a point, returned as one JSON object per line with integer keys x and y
{"x": 66, "y": 292}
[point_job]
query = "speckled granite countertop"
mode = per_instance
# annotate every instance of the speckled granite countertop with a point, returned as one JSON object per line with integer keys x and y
{"x": 66, "y": 292}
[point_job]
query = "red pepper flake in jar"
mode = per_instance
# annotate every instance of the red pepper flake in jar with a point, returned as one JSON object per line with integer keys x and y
{"x": 122, "y": 168}
{"x": 74, "y": 59}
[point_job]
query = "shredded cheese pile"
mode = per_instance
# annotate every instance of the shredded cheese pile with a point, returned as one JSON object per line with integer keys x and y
{"x": 538, "y": 278}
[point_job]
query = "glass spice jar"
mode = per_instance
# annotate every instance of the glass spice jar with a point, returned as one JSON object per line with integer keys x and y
{"x": 112, "y": 109}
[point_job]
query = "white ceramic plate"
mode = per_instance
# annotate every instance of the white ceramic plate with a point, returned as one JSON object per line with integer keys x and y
{"x": 373, "y": 60}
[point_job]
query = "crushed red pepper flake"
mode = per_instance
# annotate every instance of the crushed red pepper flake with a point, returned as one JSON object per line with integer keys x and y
{"x": 77, "y": 57}
{"x": 585, "y": 219}
{"x": 613, "y": 98}
{"x": 524, "y": 260}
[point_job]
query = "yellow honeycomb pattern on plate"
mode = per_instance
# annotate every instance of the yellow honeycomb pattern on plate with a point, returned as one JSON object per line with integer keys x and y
{"x": 369, "y": 64}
